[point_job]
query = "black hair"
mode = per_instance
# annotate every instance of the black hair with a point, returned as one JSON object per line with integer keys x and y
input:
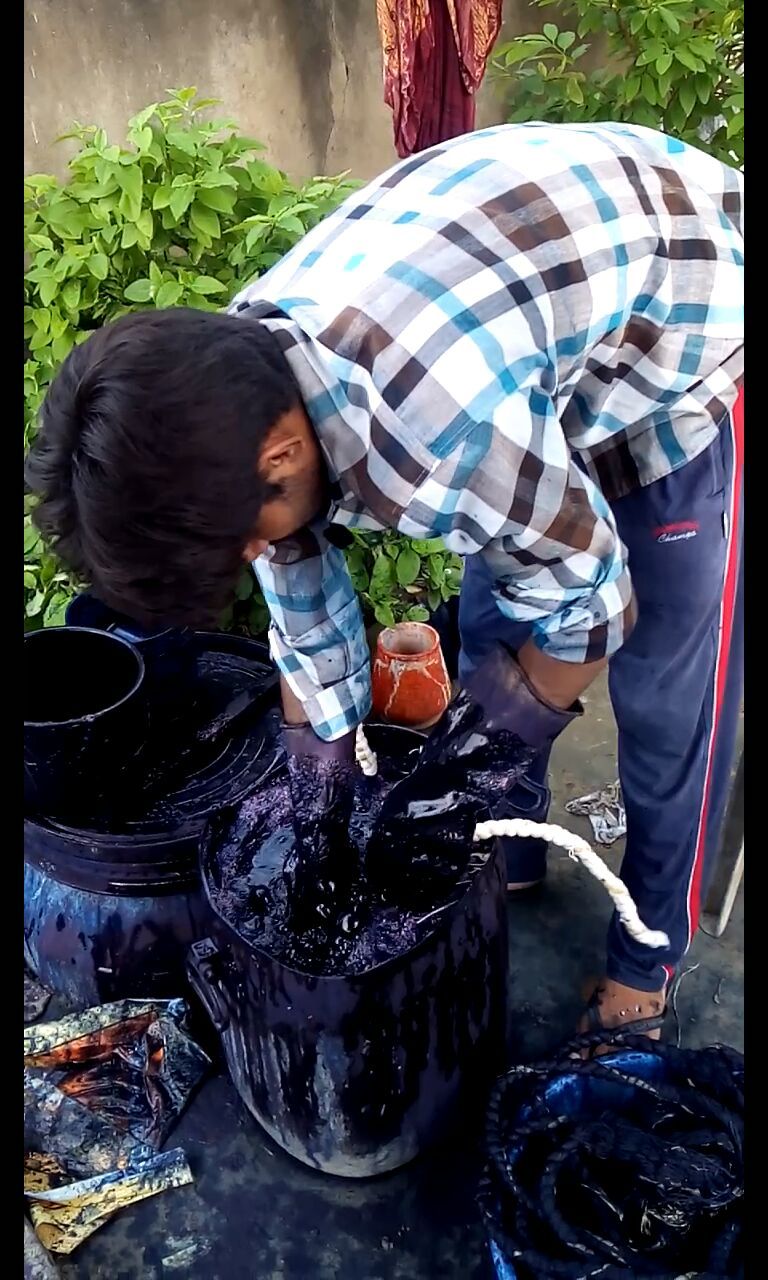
{"x": 145, "y": 461}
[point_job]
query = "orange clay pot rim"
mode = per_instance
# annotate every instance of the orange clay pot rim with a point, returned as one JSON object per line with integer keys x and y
{"x": 413, "y": 629}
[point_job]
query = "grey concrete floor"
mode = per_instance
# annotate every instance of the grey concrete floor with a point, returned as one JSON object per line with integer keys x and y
{"x": 255, "y": 1214}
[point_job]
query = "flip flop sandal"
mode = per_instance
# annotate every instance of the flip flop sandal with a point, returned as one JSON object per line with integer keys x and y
{"x": 637, "y": 1025}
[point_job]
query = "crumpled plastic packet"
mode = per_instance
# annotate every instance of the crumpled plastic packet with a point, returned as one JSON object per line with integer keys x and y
{"x": 605, "y": 811}
{"x": 65, "y": 1216}
{"x": 102, "y": 1090}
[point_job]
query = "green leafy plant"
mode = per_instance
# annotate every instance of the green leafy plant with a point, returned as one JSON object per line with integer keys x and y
{"x": 182, "y": 214}
{"x": 401, "y": 579}
{"x": 673, "y": 65}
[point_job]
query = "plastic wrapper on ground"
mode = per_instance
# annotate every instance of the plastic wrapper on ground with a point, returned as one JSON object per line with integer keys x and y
{"x": 102, "y": 1090}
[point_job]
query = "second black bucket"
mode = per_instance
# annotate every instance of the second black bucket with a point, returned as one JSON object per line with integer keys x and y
{"x": 356, "y": 1075}
{"x": 85, "y": 717}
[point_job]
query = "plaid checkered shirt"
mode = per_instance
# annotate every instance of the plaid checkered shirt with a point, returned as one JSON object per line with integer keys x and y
{"x": 493, "y": 341}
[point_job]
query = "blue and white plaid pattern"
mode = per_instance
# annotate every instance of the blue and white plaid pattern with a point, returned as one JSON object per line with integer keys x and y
{"x": 492, "y": 341}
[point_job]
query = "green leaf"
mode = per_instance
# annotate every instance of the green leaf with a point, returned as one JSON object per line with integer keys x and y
{"x": 384, "y": 615}
{"x": 48, "y": 290}
{"x": 408, "y": 567}
{"x": 649, "y": 90}
{"x": 632, "y": 87}
{"x": 35, "y": 605}
{"x": 145, "y": 224}
{"x": 687, "y": 97}
{"x": 663, "y": 63}
{"x": 574, "y": 91}
{"x": 41, "y": 242}
{"x": 168, "y": 294}
{"x": 130, "y": 235}
{"x": 139, "y": 291}
{"x": 687, "y": 59}
{"x": 131, "y": 180}
{"x": 550, "y": 31}
{"x": 670, "y": 20}
{"x": 417, "y": 613}
{"x": 70, "y": 294}
{"x": 218, "y": 178}
{"x": 38, "y": 340}
{"x": 137, "y": 121}
{"x": 566, "y": 39}
{"x": 206, "y": 285}
{"x": 254, "y": 236}
{"x": 428, "y": 546}
{"x": 62, "y": 345}
{"x": 143, "y": 138}
{"x": 180, "y": 201}
{"x": 205, "y": 220}
{"x": 182, "y": 141}
{"x": 220, "y": 199}
{"x": 32, "y": 539}
{"x": 162, "y": 197}
{"x": 98, "y": 265}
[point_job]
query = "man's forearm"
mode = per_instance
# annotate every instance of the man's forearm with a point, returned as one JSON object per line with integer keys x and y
{"x": 293, "y": 710}
{"x": 558, "y": 683}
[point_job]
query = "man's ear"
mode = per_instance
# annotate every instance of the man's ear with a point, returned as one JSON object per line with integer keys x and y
{"x": 281, "y": 457}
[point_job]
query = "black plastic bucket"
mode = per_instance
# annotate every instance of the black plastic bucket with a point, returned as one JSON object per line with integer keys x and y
{"x": 356, "y": 1075}
{"x": 169, "y": 654}
{"x": 110, "y": 911}
{"x": 85, "y": 717}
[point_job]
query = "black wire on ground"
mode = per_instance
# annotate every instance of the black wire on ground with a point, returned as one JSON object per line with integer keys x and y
{"x": 626, "y": 1167}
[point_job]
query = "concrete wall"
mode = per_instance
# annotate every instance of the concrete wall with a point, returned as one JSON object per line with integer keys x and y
{"x": 304, "y": 76}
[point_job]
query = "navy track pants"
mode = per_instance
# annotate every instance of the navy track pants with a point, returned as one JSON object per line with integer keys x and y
{"x": 675, "y": 686}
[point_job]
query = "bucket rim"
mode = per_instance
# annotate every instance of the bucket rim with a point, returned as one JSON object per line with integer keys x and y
{"x": 92, "y": 716}
{"x": 409, "y": 955}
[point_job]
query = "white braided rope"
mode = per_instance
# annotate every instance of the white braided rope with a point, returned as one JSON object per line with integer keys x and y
{"x": 364, "y": 756}
{"x": 576, "y": 848}
{"x": 580, "y": 851}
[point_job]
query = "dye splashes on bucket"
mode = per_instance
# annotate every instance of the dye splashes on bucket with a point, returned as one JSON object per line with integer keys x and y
{"x": 357, "y": 1039}
{"x": 322, "y": 915}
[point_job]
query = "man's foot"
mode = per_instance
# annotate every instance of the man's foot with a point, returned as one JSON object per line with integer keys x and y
{"x": 611, "y": 1004}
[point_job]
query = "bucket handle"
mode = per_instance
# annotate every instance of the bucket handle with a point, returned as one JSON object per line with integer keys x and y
{"x": 204, "y": 963}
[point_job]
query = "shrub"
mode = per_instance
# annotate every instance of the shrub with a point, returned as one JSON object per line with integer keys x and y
{"x": 179, "y": 216}
{"x": 673, "y": 65}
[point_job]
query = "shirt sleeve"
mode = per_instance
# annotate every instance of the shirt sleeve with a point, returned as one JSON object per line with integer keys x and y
{"x": 317, "y": 637}
{"x": 543, "y": 528}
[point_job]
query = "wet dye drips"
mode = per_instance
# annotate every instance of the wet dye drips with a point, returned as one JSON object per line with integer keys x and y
{"x": 325, "y": 915}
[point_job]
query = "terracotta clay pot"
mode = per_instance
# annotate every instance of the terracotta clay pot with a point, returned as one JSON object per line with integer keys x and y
{"x": 411, "y": 685}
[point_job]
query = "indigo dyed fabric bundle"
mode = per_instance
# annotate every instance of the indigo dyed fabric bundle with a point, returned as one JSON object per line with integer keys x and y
{"x": 625, "y": 1164}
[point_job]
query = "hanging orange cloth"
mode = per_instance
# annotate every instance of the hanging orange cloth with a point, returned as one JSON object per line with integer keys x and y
{"x": 435, "y": 53}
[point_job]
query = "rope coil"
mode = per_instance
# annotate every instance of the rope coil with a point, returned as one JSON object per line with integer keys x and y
{"x": 578, "y": 850}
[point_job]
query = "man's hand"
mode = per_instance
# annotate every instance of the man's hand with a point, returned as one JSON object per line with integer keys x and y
{"x": 485, "y": 740}
{"x": 321, "y": 777}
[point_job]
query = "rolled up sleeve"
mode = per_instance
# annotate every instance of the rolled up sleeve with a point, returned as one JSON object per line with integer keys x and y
{"x": 317, "y": 637}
